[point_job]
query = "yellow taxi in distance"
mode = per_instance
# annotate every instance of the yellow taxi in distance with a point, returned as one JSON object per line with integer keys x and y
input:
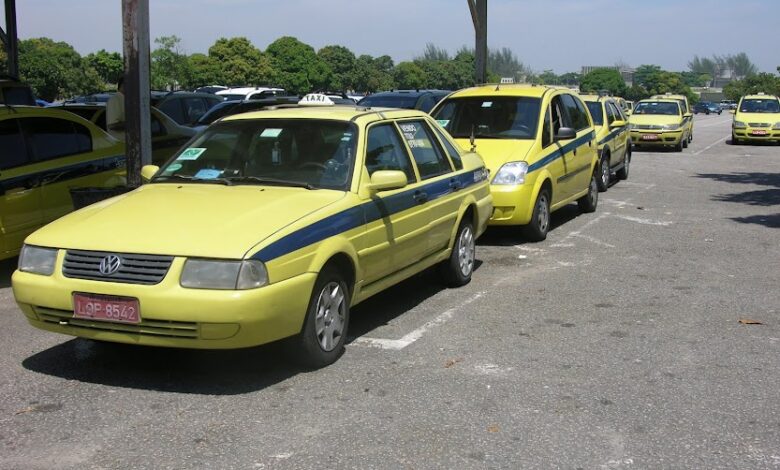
{"x": 612, "y": 136}
{"x": 657, "y": 122}
{"x": 756, "y": 119}
{"x": 538, "y": 143}
{"x": 269, "y": 225}
{"x": 686, "y": 110}
{"x": 43, "y": 154}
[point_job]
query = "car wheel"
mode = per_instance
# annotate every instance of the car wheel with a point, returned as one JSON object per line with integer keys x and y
{"x": 679, "y": 146}
{"x": 604, "y": 172}
{"x": 457, "y": 270}
{"x": 536, "y": 230}
{"x": 685, "y": 143}
{"x": 622, "y": 173}
{"x": 321, "y": 341}
{"x": 589, "y": 201}
{"x": 690, "y": 137}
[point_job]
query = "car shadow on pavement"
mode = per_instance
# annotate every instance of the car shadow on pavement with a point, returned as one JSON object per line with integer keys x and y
{"x": 770, "y": 221}
{"x": 498, "y": 235}
{"x": 7, "y": 268}
{"x": 761, "y": 197}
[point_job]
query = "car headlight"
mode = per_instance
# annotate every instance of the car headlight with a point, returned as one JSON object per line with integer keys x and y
{"x": 511, "y": 173}
{"x": 670, "y": 127}
{"x": 776, "y": 126}
{"x": 37, "y": 260}
{"x": 739, "y": 125}
{"x": 227, "y": 275}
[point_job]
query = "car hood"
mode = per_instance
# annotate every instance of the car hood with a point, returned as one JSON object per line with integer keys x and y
{"x": 654, "y": 119}
{"x": 203, "y": 220}
{"x": 496, "y": 152}
{"x": 770, "y": 118}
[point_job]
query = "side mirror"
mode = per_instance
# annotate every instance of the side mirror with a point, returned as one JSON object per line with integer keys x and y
{"x": 147, "y": 171}
{"x": 617, "y": 123}
{"x": 687, "y": 114}
{"x": 565, "y": 133}
{"x": 732, "y": 111}
{"x": 385, "y": 180}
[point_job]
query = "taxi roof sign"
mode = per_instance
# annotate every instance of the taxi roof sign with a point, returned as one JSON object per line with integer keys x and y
{"x": 316, "y": 99}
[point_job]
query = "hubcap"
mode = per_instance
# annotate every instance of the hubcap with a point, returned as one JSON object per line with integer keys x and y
{"x": 604, "y": 172}
{"x": 466, "y": 249}
{"x": 331, "y": 316}
{"x": 543, "y": 219}
{"x": 593, "y": 190}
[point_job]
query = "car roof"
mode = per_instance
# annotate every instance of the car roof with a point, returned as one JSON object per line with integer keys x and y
{"x": 338, "y": 113}
{"x": 20, "y": 110}
{"x": 658, "y": 100}
{"x": 760, "y": 97}
{"x": 510, "y": 89}
{"x": 245, "y": 90}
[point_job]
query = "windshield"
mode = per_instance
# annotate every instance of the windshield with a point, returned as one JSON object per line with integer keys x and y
{"x": 657, "y": 107}
{"x": 216, "y": 112}
{"x": 389, "y": 101}
{"x": 759, "y": 106}
{"x": 490, "y": 117}
{"x": 595, "y": 111}
{"x": 310, "y": 153}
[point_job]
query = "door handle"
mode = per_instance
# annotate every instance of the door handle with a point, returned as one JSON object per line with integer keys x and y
{"x": 455, "y": 185}
{"x": 575, "y": 152}
{"x": 420, "y": 197}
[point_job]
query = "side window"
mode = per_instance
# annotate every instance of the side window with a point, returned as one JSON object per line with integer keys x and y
{"x": 558, "y": 115}
{"x": 83, "y": 138}
{"x": 453, "y": 152}
{"x": 12, "y": 143}
{"x": 173, "y": 109}
{"x": 619, "y": 116}
{"x": 195, "y": 107}
{"x": 427, "y": 155}
{"x": 50, "y": 138}
{"x": 576, "y": 112}
{"x": 611, "y": 113}
{"x": 547, "y": 136}
{"x": 385, "y": 151}
{"x": 157, "y": 127}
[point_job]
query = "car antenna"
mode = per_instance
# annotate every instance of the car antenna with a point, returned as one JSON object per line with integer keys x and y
{"x": 472, "y": 140}
{"x": 498, "y": 86}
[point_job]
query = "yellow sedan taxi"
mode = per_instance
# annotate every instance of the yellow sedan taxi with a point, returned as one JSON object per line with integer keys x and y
{"x": 658, "y": 123}
{"x": 538, "y": 143}
{"x": 43, "y": 154}
{"x": 612, "y": 137}
{"x": 686, "y": 110}
{"x": 269, "y": 225}
{"x": 756, "y": 119}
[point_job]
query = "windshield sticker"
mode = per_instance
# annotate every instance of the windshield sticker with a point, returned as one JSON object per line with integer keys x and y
{"x": 208, "y": 174}
{"x": 271, "y": 133}
{"x": 192, "y": 153}
{"x": 173, "y": 167}
{"x": 443, "y": 122}
{"x": 487, "y": 104}
{"x": 347, "y": 137}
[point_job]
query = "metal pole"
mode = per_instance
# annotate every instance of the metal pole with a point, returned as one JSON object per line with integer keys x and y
{"x": 135, "y": 35}
{"x": 478, "y": 10}
{"x": 11, "y": 39}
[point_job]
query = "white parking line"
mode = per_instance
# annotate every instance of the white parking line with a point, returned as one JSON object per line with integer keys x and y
{"x": 640, "y": 220}
{"x": 711, "y": 145}
{"x": 406, "y": 340}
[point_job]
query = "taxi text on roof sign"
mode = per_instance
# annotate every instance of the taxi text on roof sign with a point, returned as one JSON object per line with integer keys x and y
{"x": 316, "y": 99}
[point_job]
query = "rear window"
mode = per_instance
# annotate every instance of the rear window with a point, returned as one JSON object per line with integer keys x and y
{"x": 490, "y": 117}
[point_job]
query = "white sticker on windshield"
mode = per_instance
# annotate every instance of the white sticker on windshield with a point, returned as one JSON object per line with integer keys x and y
{"x": 487, "y": 104}
{"x": 443, "y": 122}
{"x": 192, "y": 153}
{"x": 174, "y": 167}
{"x": 208, "y": 174}
{"x": 346, "y": 137}
{"x": 271, "y": 133}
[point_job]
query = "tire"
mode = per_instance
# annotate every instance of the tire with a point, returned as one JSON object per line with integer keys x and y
{"x": 590, "y": 201}
{"x": 685, "y": 143}
{"x": 328, "y": 312}
{"x": 537, "y": 229}
{"x": 622, "y": 173}
{"x": 690, "y": 136}
{"x": 604, "y": 172}
{"x": 679, "y": 146}
{"x": 457, "y": 270}
{"x": 734, "y": 140}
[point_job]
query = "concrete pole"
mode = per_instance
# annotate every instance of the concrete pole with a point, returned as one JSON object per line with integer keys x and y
{"x": 478, "y": 10}
{"x": 11, "y": 38}
{"x": 138, "y": 129}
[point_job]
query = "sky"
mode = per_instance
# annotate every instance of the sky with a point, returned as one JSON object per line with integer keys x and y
{"x": 561, "y": 35}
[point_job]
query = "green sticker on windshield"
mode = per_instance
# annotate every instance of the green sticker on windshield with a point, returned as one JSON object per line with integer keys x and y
{"x": 443, "y": 122}
{"x": 270, "y": 132}
{"x": 192, "y": 153}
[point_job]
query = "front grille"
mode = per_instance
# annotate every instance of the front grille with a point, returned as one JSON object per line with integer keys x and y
{"x": 134, "y": 269}
{"x": 759, "y": 124}
{"x": 648, "y": 127}
{"x": 157, "y": 328}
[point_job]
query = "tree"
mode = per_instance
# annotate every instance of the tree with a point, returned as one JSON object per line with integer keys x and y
{"x": 433, "y": 53}
{"x": 504, "y": 63}
{"x": 694, "y": 79}
{"x": 410, "y": 75}
{"x": 170, "y": 67}
{"x": 55, "y": 70}
{"x": 645, "y": 74}
{"x": 341, "y": 62}
{"x": 759, "y": 83}
{"x": 108, "y": 65}
{"x": 373, "y": 74}
{"x": 604, "y": 79}
{"x": 297, "y": 66}
{"x": 741, "y": 66}
{"x": 548, "y": 77}
{"x": 204, "y": 70}
{"x": 241, "y": 62}
{"x": 570, "y": 78}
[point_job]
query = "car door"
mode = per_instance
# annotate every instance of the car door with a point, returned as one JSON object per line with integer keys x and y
{"x": 561, "y": 168}
{"x": 581, "y": 148}
{"x": 620, "y": 139}
{"x": 20, "y": 198}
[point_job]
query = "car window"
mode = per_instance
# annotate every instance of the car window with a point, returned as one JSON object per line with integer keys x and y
{"x": 558, "y": 115}
{"x": 576, "y": 112}
{"x": 490, "y": 117}
{"x": 83, "y": 138}
{"x": 657, "y": 107}
{"x": 389, "y": 101}
{"x": 12, "y": 143}
{"x": 157, "y": 126}
{"x": 50, "y": 138}
{"x": 195, "y": 108}
{"x": 427, "y": 155}
{"x": 759, "y": 106}
{"x": 427, "y": 103}
{"x": 619, "y": 114}
{"x": 595, "y": 111}
{"x": 547, "y": 137}
{"x": 385, "y": 151}
{"x": 453, "y": 152}
{"x": 174, "y": 110}
{"x": 611, "y": 113}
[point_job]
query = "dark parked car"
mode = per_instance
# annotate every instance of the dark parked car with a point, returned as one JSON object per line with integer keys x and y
{"x": 228, "y": 108}
{"x": 423, "y": 100}
{"x": 706, "y": 107}
{"x": 184, "y": 107}
{"x": 14, "y": 92}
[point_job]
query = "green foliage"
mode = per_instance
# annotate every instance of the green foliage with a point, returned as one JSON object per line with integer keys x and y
{"x": 55, "y": 70}
{"x": 341, "y": 62}
{"x": 604, "y": 79}
{"x": 297, "y": 67}
{"x": 760, "y": 83}
{"x": 433, "y": 54}
{"x": 169, "y": 67}
{"x": 241, "y": 62}
{"x": 644, "y": 74}
{"x": 373, "y": 74}
{"x": 409, "y": 75}
{"x": 694, "y": 79}
{"x": 739, "y": 65}
{"x": 204, "y": 71}
{"x": 108, "y": 65}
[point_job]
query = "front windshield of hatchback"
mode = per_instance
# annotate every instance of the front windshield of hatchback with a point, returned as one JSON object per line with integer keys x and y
{"x": 657, "y": 107}
{"x": 595, "y": 111}
{"x": 309, "y": 153}
{"x": 495, "y": 117}
{"x": 759, "y": 106}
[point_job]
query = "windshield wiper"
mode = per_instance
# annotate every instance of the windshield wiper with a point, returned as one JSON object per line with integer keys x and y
{"x": 269, "y": 181}
{"x": 191, "y": 179}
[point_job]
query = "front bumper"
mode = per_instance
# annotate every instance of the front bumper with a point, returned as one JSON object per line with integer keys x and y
{"x": 659, "y": 138}
{"x": 756, "y": 134}
{"x": 172, "y": 316}
{"x": 512, "y": 205}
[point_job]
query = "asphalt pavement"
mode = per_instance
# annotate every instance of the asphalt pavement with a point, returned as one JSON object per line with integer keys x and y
{"x": 614, "y": 344}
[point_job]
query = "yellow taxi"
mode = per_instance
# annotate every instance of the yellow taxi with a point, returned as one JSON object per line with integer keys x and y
{"x": 44, "y": 153}
{"x": 756, "y": 119}
{"x": 686, "y": 110}
{"x": 612, "y": 136}
{"x": 538, "y": 143}
{"x": 658, "y": 123}
{"x": 269, "y": 225}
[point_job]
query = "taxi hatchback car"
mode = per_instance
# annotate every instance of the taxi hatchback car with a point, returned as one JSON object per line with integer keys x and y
{"x": 612, "y": 136}
{"x": 686, "y": 111}
{"x": 270, "y": 225}
{"x": 538, "y": 143}
{"x": 44, "y": 153}
{"x": 756, "y": 119}
{"x": 658, "y": 123}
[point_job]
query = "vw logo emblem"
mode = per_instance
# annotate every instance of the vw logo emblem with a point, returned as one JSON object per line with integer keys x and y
{"x": 110, "y": 264}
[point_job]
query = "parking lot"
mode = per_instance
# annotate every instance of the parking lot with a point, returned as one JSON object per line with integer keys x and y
{"x": 615, "y": 343}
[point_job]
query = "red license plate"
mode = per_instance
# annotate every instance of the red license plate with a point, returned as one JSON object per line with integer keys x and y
{"x": 759, "y": 132}
{"x": 649, "y": 137}
{"x": 106, "y": 308}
